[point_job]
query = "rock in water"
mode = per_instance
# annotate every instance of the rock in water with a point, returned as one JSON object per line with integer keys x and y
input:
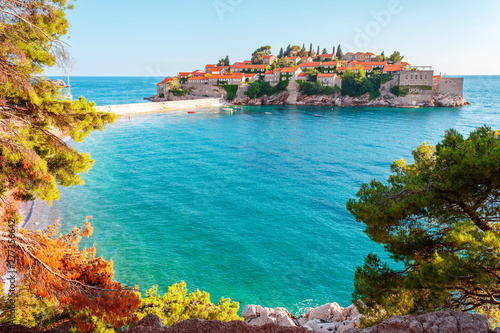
{"x": 59, "y": 83}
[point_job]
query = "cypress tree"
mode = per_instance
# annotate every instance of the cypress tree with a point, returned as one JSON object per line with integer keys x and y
{"x": 339, "y": 52}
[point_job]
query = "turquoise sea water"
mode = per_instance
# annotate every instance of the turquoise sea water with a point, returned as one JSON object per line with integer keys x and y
{"x": 248, "y": 206}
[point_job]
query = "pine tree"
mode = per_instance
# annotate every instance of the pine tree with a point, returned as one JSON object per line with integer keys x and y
{"x": 333, "y": 52}
{"x": 438, "y": 218}
{"x": 311, "y": 50}
{"x": 34, "y": 160}
{"x": 281, "y": 54}
{"x": 325, "y": 51}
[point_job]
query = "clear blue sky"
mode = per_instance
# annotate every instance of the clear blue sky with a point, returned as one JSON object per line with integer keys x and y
{"x": 163, "y": 37}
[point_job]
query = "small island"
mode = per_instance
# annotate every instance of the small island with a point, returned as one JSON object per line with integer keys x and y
{"x": 299, "y": 77}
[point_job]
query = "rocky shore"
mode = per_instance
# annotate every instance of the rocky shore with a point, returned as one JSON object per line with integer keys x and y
{"x": 387, "y": 100}
{"x": 327, "y": 318}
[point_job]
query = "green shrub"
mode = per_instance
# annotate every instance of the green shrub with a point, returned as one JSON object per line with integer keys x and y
{"x": 386, "y": 77}
{"x": 316, "y": 88}
{"x": 395, "y": 90}
{"x": 231, "y": 90}
{"x": 177, "y": 305}
{"x": 260, "y": 88}
{"x": 179, "y": 92}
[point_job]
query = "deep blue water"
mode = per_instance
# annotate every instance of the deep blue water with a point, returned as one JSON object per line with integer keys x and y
{"x": 111, "y": 90}
{"x": 247, "y": 206}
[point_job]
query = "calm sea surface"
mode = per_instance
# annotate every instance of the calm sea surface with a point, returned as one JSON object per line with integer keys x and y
{"x": 248, "y": 206}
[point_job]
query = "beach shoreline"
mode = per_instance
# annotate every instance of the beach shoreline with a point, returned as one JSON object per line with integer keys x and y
{"x": 129, "y": 109}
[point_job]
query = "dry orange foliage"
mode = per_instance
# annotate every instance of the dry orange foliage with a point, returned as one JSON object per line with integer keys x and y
{"x": 58, "y": 270}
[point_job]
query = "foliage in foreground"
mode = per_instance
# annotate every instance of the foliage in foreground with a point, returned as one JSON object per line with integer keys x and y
{"x": 177, "y": 305}
{"x": 33, "y": 158}
{"x": 438, "y": 218}
{"x": 57, "y": 271}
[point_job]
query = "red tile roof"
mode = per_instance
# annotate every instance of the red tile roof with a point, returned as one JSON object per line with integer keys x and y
{"x": 370, "y": 53}
{"x": 311, "y": 64}
{"x": 392, "y": 68}
{"x": 248, "y": 62}
{"x": 293, "y": 58}
{"x": 331, "y": 63}
{"x": 210, "y": 65}
{"x": 197, "y": 78}
{"x": 302, "y": 74}
{"x": 327, "y": 75}
{"x": 182, "y": 74}
{"x": 268, "y": 56}
{"x": 165, "y": 80}
{"x": 289, "y": 69}
{"x": 369, "y": 63}
{"x": 327, "y": 55}
{"x": 249, "y": 66}
{"x": 218, "y": 68}
{"x": 278, "y": 69}
{"x": 269, "y": 72}
{"x": 225, "y": 76}
{"x": 199, "y": 73}
{"x": 250, "y": 75}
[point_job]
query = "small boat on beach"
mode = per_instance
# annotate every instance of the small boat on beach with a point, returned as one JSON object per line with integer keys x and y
{"x": 267, "y": 113}
{"x": 191, "y": 111}
{"x": 318, "y": 115}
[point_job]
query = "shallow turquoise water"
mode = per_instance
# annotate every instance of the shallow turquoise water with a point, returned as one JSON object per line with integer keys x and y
{"x": 250, "y": 206}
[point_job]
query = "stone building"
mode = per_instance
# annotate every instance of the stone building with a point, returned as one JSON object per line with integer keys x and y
{"x": 162, "y": 87}
{"x": 249, "y": 68}
{"x": 330, "y": 80}
{"x": 416, "y": 76}
{"x": 330, "y": 66}
{"x": 269, "y": 59}
{"x": 348, "y": 57}
{"x": 290, "y": 73}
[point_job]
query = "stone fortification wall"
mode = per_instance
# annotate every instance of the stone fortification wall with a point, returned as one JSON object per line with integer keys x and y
{"x": 409, "y": 99}
{"x": 450, "y": 85}
{"x": 204, "y": 90}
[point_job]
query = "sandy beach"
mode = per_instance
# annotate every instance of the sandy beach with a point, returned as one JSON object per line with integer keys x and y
{"x": 128, "y": 109}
